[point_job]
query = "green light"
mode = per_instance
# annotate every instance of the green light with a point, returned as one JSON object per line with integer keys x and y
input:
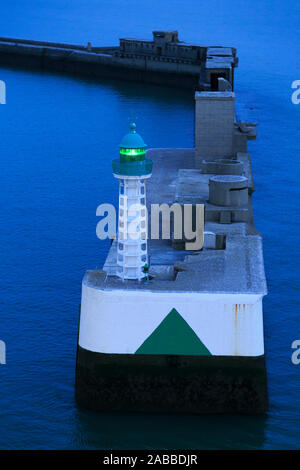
{"x": 132, "y": 152}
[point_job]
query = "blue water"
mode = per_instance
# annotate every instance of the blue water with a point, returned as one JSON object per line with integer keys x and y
{"x": 58, "y": 137}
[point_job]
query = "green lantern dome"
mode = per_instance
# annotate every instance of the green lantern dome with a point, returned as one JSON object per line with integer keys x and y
{"x": 132, "y": 161}
{"x": 132, "y": 146}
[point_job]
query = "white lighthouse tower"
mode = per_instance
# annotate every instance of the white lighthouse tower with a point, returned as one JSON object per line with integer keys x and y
{"x": 132, "y": 169}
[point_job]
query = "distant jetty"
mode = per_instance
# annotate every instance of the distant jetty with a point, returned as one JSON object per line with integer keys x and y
{"x": 164, "y": 60}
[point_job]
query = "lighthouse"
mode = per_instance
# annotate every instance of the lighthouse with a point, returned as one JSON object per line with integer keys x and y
{"x": 132, "y": 169}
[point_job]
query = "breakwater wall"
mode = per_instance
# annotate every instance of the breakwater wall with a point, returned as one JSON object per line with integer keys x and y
{"x": 99, "y": 62}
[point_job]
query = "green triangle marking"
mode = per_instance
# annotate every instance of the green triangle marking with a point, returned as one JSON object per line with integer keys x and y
{"x": 173, "y": 336}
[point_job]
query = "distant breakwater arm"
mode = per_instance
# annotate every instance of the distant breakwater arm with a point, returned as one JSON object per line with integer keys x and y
{"x": 193, "y": 67}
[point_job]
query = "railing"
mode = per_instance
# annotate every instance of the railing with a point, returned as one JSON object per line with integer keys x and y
{"x": 154, "y": 57}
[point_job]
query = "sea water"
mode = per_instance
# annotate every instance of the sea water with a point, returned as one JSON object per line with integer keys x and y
{"x": 58, "y": 137}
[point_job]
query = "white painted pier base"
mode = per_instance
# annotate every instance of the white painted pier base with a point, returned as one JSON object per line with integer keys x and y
{"x": 120, "y": 321}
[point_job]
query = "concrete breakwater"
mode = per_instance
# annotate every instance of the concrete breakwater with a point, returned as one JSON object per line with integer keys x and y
{"x": 164, "y": 61}
{"x": 189, "y": 338}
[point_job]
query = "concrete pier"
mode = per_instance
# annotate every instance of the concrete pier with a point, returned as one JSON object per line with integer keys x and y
{"x": 191, "y": 340}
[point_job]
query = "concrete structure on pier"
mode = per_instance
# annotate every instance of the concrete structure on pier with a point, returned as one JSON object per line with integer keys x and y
{"x": 215, "y": 123}
{"x": 210, "y": 63}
